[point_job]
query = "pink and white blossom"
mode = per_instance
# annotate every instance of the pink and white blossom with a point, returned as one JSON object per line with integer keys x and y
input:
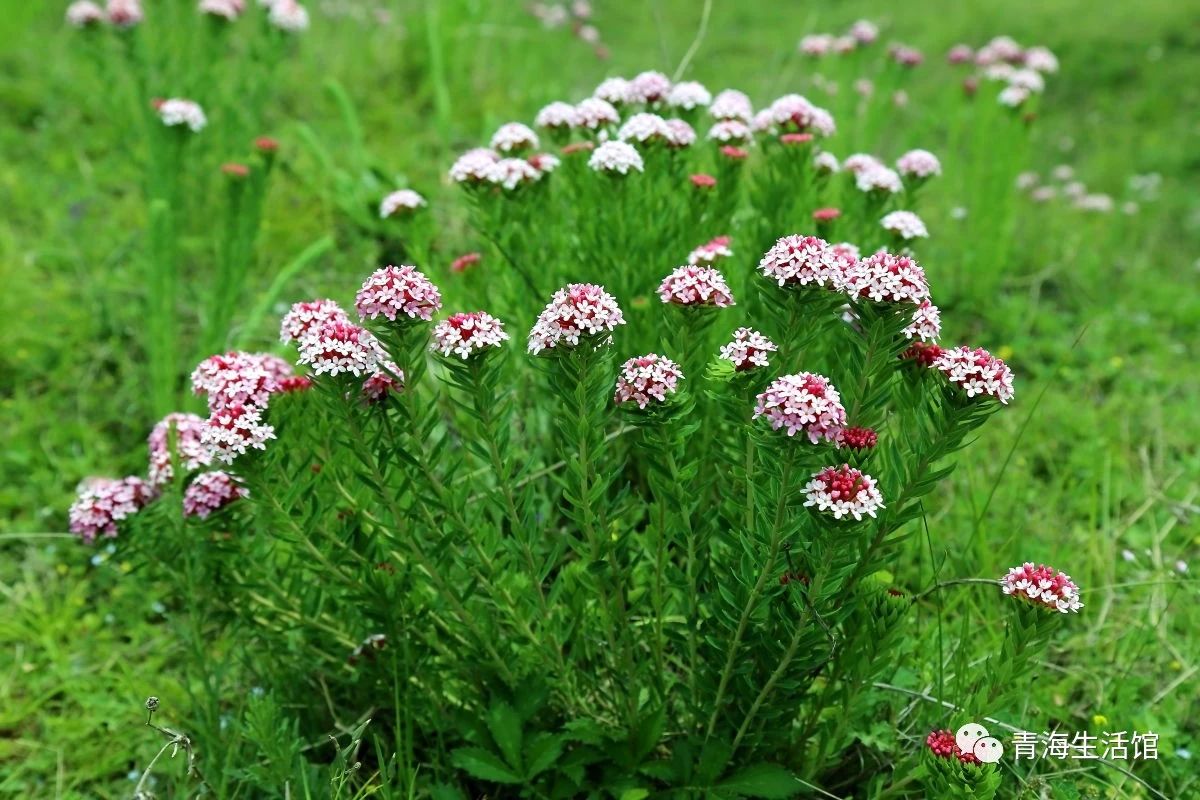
{"x": 748, "y": 350}
{"x": 693, "y": 285}
{"x": 647, "y": 378}
{"x": 398, "y": 292}
{"x": 804, "y": 403}
{"x": 843, "y": 492}
{"x": 235, "y": 430}
{"x": 468, "y": 334}
{"x": 102, "y": 503}
{"x": 209, "y": 492}
{"x": 1043, "y": 586}
{"x": 575, "y": 312}
{"x": 977, "y": 372}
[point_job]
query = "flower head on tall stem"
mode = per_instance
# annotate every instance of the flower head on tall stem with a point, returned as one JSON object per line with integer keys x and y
{"x": 177, "y": 112}
{"x": 843, "y": 492}
{"x": 514, "y": 137}
{"x": 864, "y": 31}
{"x": 288, "y": 16}
{"x": 1043, "y": 586}
{"x": 616, "y": 158}
{"x": 234, "y": 430}
{"x": 594, "y": 113}
{"x": 681, "y": 134}
{"x": 648, "y": 88}
{"x": 693, "y": 285}
{"x": 474, "y": 166}
{"x": 228, "y": 10}
{"x": 557, "y": 116}
{"x": 904, "y": 224}
{"x": 826, "y": 163}
{"x": 468, "y": 334}
{"x": 236, "y": 378}
{"x": 730, "y": 131}
{"x": 102, "y": 503}
{"x": 612, "y": 90}
{"x": 977, "y": 372}
{"x": 688, "y": 95}
{"x": 84, "y": 14}
{"x": 748, "y": 350}
{"x": 645, "y": 128}
{"x": 575, "y": 312}
{"x": 403, "y": 201}
{"x": 918, "y": 164}
{"x": 887, "y": 278}
{"x": 803, "y": 403}
{"x": 512, "y": 173}
{"x": 398, "y": 292}
{"x": 209, "y": 492}
{"x": 647, "y": 378}
{"x": 306, "y": 315}
{"x": 190, "y": 450}
{"x": 124, "y": 13}
{"x": 797, "y": 260}
{"x": 341, "y": 347}
{"x": 731, "y": 104}
{"x": 465, "y": 262}
{"x": 711, "y": 251}
{"x": 877, "y": 180}
{"x": 860, "y": 162}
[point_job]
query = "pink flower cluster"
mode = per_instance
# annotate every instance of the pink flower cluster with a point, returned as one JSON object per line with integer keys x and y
{"x": 803, "y": 403}
{"x": 235, "y": 430}
{"x": 190, "y": 450}
{"x": 944, "y": 745}
{"x": 802, "y": 260}
{"x": 177, "y": 112}
{"x": 467, "y": 334}
{"x": 731, "y": 104}
{"x": 646, "y": 378}
{"x": 395, "y": 292}
{"x": 904, "y": 224}
{"x": 237, "y": 378}
{"x": 692, "y": 285}
{"x": 926, "y": 323}
{"x": 388, "y": 379}
{"x": 887, "y": 278}
{"x": 712, "y": 250}
{"x": 307, "y": 316}
{"x": 748, "y": 350}
{"x": 616, "y": 157}
{"x": 401, "y": 200}
{"x": 104, "y": 502}
{"x": 576, "y": 311}
{"x": 919, "y": 164}
{"x": 843, "y": 491}
{"x": 209, "y": 492}
{"x": 341, "y": 347}
{"x": 977, "y": 371}
{"x": 1043, "y": 586}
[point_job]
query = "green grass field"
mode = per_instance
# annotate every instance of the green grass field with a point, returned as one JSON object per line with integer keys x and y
{"x": 1097, "y": 313}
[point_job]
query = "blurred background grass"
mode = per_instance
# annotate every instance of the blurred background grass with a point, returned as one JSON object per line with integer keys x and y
{"x": 1098, "y": 312}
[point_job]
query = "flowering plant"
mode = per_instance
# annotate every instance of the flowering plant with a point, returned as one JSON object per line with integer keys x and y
{"x": 645, "y": 549}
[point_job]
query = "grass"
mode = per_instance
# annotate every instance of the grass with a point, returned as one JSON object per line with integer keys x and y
{"x": 1098, "y": 313}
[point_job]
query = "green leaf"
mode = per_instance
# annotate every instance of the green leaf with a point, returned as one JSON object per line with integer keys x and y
{"x": 487, "y": 766}
{"x": 541, "y": 753}
{"x": 505, "y": 726}
{"x": 762, "y": 780}
{"x": 635, "y": 794}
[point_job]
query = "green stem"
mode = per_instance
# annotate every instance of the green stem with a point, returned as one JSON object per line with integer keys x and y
{"x": 748, "y": 609}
